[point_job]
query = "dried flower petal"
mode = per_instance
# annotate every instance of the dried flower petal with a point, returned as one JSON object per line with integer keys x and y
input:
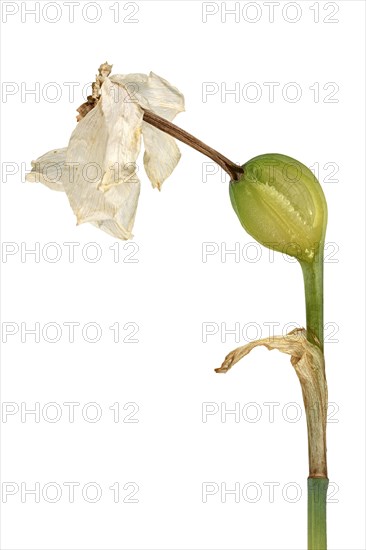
{"x": 103, "y": 186}
{"x": 152, "y": 92}
{"x": 308, "y": 362}
{"x": 161, "y": 154}
{"x": 97, "y": 170}
{"x": 48, "y": 169}
{"x": 155, "y": 94}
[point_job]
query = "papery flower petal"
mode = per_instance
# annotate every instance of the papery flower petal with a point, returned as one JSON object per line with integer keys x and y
{"x": 308, "y": 362}
{"x": 152, "y": 92}
{"x": 48, "y": 169}
{"x": 97, "y": 170}
{"x": 161, "y": 154}
{"x": 102, "y": 186}
{"x": 155, "y": 94}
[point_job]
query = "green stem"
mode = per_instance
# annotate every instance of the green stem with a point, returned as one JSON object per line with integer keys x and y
{"x": 313, "y": 282}
{"x": 317, "y": 513}
{"x": 317, "y": 486}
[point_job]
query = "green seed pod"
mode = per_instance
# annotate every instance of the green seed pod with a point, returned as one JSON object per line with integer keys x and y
{"x": 280, "y": 203}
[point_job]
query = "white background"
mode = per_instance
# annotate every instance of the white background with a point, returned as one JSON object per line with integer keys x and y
{"x": 170, "y": 292}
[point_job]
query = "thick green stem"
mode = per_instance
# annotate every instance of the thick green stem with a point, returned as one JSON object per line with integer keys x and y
{"x": 318, "y": 485}
{"x": 317, "y": 513}
{"x": 313, "y": 282}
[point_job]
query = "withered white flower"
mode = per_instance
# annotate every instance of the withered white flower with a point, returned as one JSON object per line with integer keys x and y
{"x": 97, "y": 170}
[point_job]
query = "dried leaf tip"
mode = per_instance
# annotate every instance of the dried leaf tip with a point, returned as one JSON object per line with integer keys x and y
{"x": 308, "y": 362}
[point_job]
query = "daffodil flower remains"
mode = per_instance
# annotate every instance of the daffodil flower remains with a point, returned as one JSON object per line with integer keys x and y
{"x": 97, "y": 170}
